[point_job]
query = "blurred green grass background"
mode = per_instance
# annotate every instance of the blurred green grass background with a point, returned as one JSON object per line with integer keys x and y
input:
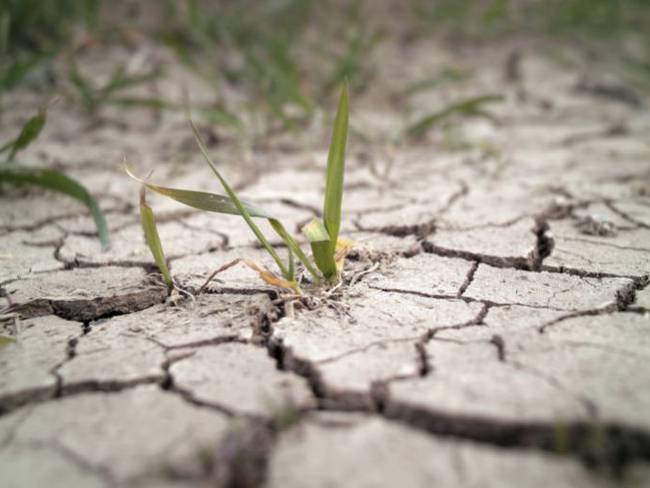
{"x": 289, "y": 55}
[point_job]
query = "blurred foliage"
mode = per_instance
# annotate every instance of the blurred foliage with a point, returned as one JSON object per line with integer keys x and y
{"x": 618, "y": 29}
{"x": 32, "y": 31}
{"x": 286, "y": 57}
{"x": 565, "y": 17}
{"x": 265, "y": 48}
{"x": 41, "y": 26}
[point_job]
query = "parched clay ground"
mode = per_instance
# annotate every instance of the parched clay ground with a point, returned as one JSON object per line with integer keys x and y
{"x": 493, "y": 328}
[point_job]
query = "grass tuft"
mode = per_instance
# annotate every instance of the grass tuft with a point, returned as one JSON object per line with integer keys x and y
{"x": 328, "y": 250}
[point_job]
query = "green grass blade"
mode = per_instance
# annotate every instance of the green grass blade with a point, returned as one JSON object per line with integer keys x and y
{"x": 121, "y": 80}
{"x": 319, "y": 240}
{"x": 28, "y": 134}
{"x": 84, "y": 87}
{"x": 210, "y": 202}
{"x": 243, "y": 211}
{"x": 152, "y": 238}
{"x": 57, "y": 181}
{"x": 17, "y": 69}
{"x": 447, "y": 76}
{"x": 212, "y": 115}
{"x": 5, "y": 24}
{"x": 335, "y": 171}
{"x": 292, "y": 263}
{"x": 469, "y": 106}
{"x": 218, "y": 116}
{"x": 315, "y": 231}
{"x": 144, "y": 102}
{"x": 295, "y": 248}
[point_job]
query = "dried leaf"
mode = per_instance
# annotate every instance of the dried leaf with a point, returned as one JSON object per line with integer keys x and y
{"x": 343, "y": 247}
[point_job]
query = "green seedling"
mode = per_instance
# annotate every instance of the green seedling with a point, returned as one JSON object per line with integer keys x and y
{"x": 93, "y": 97}
{"x": 27, "y": 135}
{"x": 152, "y": 238}
{"x": 111, "y": 93}
{"x": 353, "y": 61}
{"x": 324, "y": 249}
{"x": 14, "y": 69}
{"x": 448, "y": 75}
{"x": 33, "y": 33}
{"x": 59, "y": 182}
{"x": 282, "y": 55}
{"x": 327, "y": 249}
{"x": 262, "y": 36}
{"x": 470, "y": 107}
{"x": 47, "y": 178}
{"x": 44, "y": 26}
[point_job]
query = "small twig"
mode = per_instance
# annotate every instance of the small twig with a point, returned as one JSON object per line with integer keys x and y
{"x": 215, "y": 273}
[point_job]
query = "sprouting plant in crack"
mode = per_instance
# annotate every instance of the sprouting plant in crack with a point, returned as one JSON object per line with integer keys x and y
{"x": 328, "y": 250}
{"x": 13, "y": 173}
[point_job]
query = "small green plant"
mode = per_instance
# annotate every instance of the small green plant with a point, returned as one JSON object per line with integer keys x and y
{"x": 13, "y": 173}
{"x": 34, "y": 32}
{"x": 152, "y": 238}
{"x": 470, "y": 107}
{"x": 352, "y": 41}
{"x": 29, "y": 132}
{"x": 282, "y": 55}
{"x": 412, "y": 131}
{"x": 328, "y": 250}
{"x": 93, "y": 97}
{"x": 448, "y": 75}
{"x": 260, "y": 39}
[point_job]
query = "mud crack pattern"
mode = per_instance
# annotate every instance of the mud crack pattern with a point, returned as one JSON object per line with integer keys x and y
{"x": 494, "y": 328}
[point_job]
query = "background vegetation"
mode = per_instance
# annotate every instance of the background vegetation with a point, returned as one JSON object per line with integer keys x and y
{"x": 272, "y": 65}
{"x": 289, "y": 55}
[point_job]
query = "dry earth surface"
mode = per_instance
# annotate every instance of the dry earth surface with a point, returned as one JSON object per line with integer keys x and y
{"x": 492, "y": 328}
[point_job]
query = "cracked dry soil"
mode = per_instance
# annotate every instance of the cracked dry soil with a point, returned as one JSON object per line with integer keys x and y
{"x": 493, "y": 331}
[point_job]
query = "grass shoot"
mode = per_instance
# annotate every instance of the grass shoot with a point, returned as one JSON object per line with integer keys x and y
{"x": 152, "y": 238}
{"x": 470, "y": 107}
{"x": 93, "y": 97}
{"x": 328, "y": 250}
{"x": 16, "y": 174}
